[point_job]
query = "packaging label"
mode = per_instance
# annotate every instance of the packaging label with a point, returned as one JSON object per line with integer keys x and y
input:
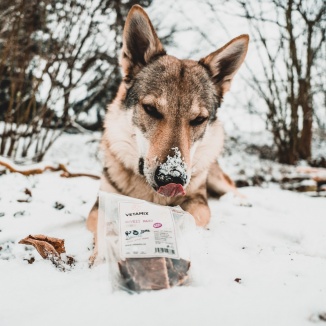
{"x": 147, "y": 231}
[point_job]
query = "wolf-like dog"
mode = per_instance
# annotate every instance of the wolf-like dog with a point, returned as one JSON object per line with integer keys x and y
{"x": 161, "y": 136}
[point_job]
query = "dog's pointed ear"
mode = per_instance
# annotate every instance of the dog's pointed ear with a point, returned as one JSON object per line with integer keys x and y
{"x": 225, "y": 62}
{"x": 140, "y": 42}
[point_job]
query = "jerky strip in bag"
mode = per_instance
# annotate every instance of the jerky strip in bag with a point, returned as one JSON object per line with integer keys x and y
{"x": 153, "y": 273}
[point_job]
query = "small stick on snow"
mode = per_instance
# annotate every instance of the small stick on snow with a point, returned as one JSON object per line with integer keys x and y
{"x": 42, "y": 167}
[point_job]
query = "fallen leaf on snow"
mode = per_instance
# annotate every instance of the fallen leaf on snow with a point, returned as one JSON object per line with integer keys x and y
{"x": 27, "y": 200}
{"x": 70, "y": 261}
{"x": 50, "y": 249}
{"x": 318, "y": 317}
{"x": 29, "y": 196}
{"x": 28, "y": 192}
{"x": 58, "y": 206}
{"x": 31, "y": 260}
{"x": 322, "y": 316}
{"x": 46, "y": 246}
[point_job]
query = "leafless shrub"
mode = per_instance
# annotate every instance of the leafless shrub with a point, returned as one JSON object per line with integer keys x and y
{"x": 58, "y": 60}
{"x": 288, "y": 39}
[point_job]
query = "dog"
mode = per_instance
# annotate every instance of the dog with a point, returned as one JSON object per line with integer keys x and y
{"x": 161, "y": 137}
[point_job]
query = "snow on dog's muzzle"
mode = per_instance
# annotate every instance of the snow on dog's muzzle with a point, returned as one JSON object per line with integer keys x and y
{"x": 171, "y": 176}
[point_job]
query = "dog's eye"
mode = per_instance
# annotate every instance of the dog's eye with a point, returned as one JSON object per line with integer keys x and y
{"x": 152, "y": 111}
{"x": 198, "y": 121}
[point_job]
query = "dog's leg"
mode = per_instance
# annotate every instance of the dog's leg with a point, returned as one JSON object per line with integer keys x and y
{"x": 197, "y": 206}
{"x": 219, "y": 183}
{"x": 91, "y": 224}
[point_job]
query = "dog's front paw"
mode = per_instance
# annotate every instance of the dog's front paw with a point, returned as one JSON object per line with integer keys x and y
{"x": 236, "y": 198}
{"x": 199, "y": 211}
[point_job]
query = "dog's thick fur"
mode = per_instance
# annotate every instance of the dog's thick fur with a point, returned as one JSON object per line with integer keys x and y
{"x": 166, "y": 108}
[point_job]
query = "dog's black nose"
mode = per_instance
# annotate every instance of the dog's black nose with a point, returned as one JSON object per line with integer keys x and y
{"x": 174, "y": 176}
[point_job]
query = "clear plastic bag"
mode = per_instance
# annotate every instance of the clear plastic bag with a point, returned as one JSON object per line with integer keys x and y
{"x": 146, "y": 246}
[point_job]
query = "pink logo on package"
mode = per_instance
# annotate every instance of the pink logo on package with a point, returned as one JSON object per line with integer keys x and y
{"x": 157, "y": 225}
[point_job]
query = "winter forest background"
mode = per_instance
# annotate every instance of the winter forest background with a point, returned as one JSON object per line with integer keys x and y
{"x": 59, "y": 67}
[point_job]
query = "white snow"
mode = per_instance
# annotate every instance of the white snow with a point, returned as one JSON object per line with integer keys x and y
{"x": 277, "y": 248}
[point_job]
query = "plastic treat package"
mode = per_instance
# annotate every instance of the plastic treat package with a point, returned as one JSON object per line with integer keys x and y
{"x": 147, "y": 246}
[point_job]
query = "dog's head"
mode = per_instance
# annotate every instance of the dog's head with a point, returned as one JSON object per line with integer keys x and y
{"x": 174, "y": 101}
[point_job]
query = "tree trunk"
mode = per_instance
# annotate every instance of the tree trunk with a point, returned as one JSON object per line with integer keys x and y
{"x": 286, "y": 156}
{"x": 305, "y": 98}
{"x": 304, "y": 147}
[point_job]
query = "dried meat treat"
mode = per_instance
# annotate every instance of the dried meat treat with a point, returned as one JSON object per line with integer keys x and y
{"x": 177, "y": 271}
{"x": 153, "y": 273}
{"x": 145, "y": 273}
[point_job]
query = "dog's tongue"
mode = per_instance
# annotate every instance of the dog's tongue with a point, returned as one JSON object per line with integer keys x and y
{"x": 172, "y": 190}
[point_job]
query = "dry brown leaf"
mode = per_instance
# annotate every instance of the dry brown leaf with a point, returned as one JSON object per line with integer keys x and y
{"x": 47, "y": 247}
{"x": 31, "y": 260}
{"x": 28, "y": 192}
{"x": 50, "y": 249}
{"x": 27, "y": 200}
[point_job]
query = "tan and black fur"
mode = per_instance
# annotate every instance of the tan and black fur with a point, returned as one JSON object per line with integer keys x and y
{"x": 164, "y": 104}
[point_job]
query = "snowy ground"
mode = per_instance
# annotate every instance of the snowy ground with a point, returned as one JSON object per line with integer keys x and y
{"x": 277, "y": 248}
